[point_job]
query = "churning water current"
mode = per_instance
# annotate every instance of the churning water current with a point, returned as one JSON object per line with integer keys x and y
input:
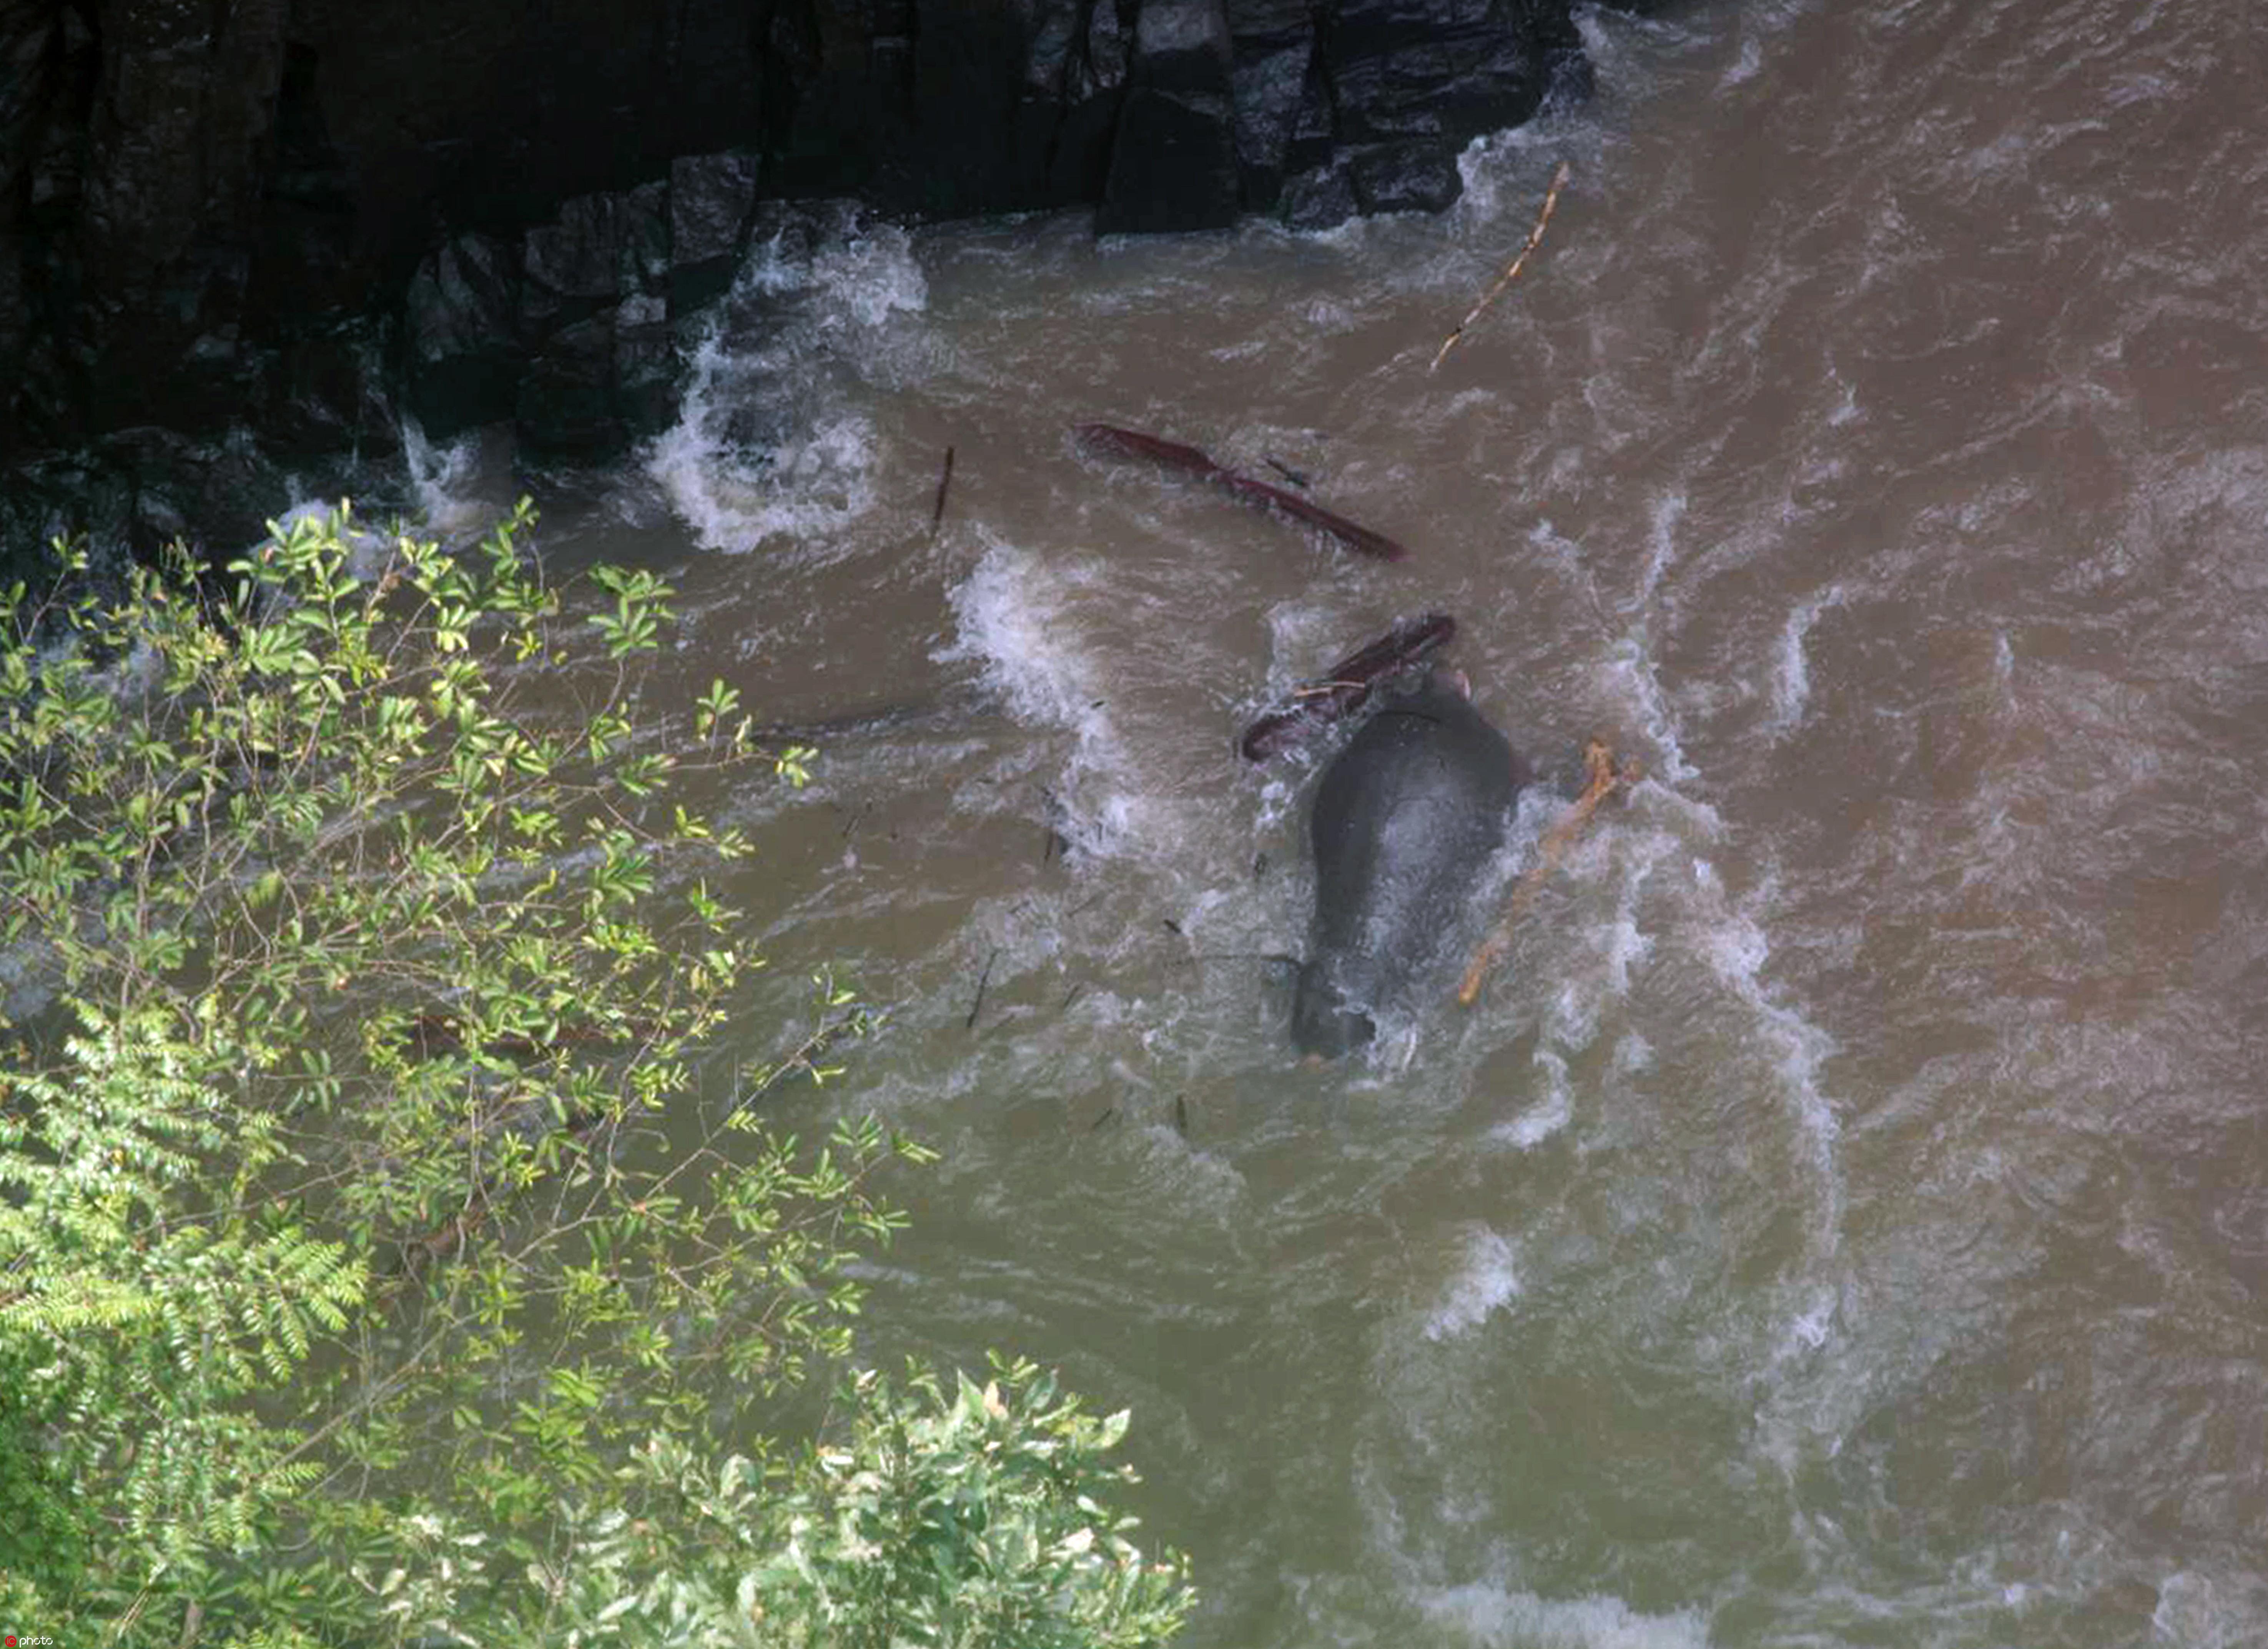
{"x": 1844, "y": 1219}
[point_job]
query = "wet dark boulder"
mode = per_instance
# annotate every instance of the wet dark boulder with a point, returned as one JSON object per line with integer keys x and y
{"x": 462, "y": 325}
{"x": 1444, "y": 69}
{"x": 1400, "y": 86}
{"x": 575, "y": 332}
{"x": 1416, "y": 175}
{"x": 1282, "y": 121}
{"x": 568, "y": 329}
{"x": 712, "y": 200}
{"x": 1173, "y": 165}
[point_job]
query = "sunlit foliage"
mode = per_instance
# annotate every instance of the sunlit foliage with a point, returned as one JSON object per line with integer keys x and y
{"x": 385, "y": 1256}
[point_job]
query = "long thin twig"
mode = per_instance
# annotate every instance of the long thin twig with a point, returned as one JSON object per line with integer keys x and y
{"x": 943, "y": 481}
{"x": 983, "y": 980}
{"x": 1606, "y": 778}
{"x": 1512, "y": 271}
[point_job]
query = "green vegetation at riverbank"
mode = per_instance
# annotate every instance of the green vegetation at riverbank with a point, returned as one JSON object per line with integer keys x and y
{"x": 386, "y": 1257}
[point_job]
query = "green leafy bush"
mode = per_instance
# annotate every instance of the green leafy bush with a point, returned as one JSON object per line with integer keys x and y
{"x": 377, "y": 1265}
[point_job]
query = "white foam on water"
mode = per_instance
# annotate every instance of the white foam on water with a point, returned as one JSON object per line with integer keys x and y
{"x": 1745, "y": 66}
{"x": 442, "y": 479}
{"x": 1504, "y": 174}
{"x": 1661, "y": 546}
{"x": 771, "y": 439}
{"x": 1735, "y": 946}
{"x": 1846, "y": 408}
{"x": 1015, "y": 617}
{"x": 1791, "y": 676}
{"x": 2194, "y": 1613}
{"x": 1504, "y": 1618}
{"x": 1799, "y": 1409}
{"x": 1486, "y": 1282}
{"x": 1815, "y": 1324}
{"x": 1552, "y": 1112}
{"x": 1593, "y": 975}
{"x": 1627, "y": 674}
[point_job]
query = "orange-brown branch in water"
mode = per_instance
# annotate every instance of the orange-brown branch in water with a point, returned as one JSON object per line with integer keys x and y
{"x": 1512, "y": 272}
{"x": 1605, "y": 779}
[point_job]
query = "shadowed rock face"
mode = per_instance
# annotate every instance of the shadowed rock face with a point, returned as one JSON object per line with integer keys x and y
{"x": 1404, "y": 824}
{"x": 281, "y": 216}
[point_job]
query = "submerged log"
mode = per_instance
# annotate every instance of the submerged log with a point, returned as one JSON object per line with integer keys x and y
{"x": 1346, "y": 686}
{"x": 1109, "y": 437}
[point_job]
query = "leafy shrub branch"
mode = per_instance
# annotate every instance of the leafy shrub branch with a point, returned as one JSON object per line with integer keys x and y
{"x": 379, "y": 1262}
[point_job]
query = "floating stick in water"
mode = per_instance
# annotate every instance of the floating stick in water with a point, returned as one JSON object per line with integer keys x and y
{"x": 1346, "y": 686}
{"x": 945, "y": 480}
{"x": 983, "y": 980}
{"x": 1512, "y": 272}
{"x": 1606, "y": 778}
{"x": 1109, "y": 437}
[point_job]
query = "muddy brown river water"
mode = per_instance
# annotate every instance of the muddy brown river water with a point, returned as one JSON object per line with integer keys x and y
{"x": 1845, "y": 1218}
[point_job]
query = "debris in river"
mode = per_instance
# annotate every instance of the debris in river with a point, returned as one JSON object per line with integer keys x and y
{"x": 1191, "y": 460}
{"x": 937, "y": 515}
{"x": 1606, "y": 778}
{"x": 1346, "y": 686}
{"x": 1296, "y": 477}
{"x": 1512, "y": 271}
{"x": 983, "y": 979}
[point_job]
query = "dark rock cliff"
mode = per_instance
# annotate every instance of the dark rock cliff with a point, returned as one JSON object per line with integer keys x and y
{"x": 278, "y": 214}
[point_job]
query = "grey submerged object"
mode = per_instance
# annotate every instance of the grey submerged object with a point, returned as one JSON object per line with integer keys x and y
{"x": 1404, "y": 822}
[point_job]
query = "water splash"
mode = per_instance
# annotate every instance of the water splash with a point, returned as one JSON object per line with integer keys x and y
{"x": 1792, "y": 675}
{"x": 775, "y": 438}
{"x": 1015, "y": 616}
{"x": 443, "y": 478}
{"x": 1486, "y": 1282}
{"x": 1505, "y": 1618}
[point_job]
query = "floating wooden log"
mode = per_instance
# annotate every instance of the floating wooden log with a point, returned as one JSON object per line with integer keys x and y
{"x": 1346, "y": 686}
{"x": 1109, "y": 437}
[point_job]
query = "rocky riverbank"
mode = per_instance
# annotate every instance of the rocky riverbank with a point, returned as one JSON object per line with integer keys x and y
{"x": 287, "y": 219}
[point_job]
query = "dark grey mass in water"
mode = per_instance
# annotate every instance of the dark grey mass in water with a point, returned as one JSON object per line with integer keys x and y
{"x": 1404, "y": 822}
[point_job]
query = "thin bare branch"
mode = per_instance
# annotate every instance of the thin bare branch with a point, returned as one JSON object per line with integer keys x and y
{"x": 1512, "y": 271}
